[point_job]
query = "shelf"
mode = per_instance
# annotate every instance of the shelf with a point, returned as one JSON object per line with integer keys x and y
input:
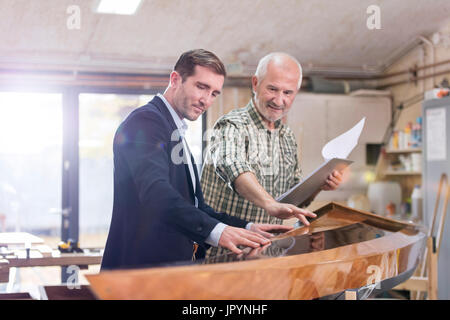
{"x": 402, "y": 173}
{"x": 411, "y": 150}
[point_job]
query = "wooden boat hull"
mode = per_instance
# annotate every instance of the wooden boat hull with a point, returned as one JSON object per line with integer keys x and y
{"x": 345, "y": 249}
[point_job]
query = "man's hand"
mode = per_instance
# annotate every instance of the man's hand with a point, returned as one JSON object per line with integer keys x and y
{"x": 232, "y": 237}
{"x": 264, "y": 229}
{"x": 286, "y": 211}
{"x": 333, "y": 181}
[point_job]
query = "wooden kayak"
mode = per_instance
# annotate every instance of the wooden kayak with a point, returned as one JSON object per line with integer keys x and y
{"x": 342, "y": 249}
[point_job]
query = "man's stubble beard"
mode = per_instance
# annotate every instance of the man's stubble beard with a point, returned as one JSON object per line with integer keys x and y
{"x": 266, "y": 108}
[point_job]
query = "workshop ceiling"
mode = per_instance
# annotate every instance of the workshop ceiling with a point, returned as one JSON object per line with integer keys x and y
{"x": 322, "y": 34}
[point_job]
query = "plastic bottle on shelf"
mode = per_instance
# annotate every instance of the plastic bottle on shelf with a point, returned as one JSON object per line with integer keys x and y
{"x": 416, "y": 162}
{"x": 401, "y": 139}
{"x": 416, "y": 204}
{"x": 408, "y": 140}
{"x": 414, "y": 133}
{"x": 419, "y": 131}
{"x": 395, "y": 140}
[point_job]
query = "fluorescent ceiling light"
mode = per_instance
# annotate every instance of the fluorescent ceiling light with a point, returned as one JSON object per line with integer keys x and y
{"x": 128, "y": 7}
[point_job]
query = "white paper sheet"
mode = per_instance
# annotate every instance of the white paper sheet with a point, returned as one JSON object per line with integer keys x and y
{"x": 341, "y": 146}
{"x": 436, "y": 135}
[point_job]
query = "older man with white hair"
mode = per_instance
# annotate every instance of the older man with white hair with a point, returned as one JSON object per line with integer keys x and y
{"x": 252, "y": 156}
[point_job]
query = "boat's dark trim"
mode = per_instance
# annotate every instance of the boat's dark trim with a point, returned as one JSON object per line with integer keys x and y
{"x": 375, "y": 289}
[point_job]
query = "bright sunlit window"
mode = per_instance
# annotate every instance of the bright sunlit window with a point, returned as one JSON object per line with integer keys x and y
{"x": 29, "y": 123}
{"x": 31, "y": 162}
{"x": 128, "y": 7}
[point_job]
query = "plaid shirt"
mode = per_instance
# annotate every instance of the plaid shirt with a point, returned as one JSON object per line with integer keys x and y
{"x": 238, "y": 143}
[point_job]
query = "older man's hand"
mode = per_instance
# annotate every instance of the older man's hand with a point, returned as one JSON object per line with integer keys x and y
{"x": 333, "y": 181}
{"x": 286, "y": 211}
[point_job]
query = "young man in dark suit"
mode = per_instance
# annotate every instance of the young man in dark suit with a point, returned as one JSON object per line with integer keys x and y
{"x": 159, "y": 214}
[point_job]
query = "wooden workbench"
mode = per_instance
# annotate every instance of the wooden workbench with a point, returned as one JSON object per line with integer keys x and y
{"x": 14, "y": 254}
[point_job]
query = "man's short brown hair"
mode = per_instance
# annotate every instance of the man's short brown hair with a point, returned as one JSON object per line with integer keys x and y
{"x": 185, "y": 65}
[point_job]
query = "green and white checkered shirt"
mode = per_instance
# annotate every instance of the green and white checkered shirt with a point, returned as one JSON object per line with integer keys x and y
{"x": 238, "y": 143}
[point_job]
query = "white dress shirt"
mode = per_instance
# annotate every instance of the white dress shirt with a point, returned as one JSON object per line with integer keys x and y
{"x": 214, "y": 236}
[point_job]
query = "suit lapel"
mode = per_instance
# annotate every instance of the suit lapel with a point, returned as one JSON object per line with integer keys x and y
{"x": 186, "y": 167}
{"x": 196, "y": 178}
{"x": 160, "y": 105}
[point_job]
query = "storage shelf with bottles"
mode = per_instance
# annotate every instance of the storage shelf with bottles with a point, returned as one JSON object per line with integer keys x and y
{"x": 403, "y": 155}
{"x": 408, "y": 139}
{"x": 403, "y": 163}
{"x": 401, "y": 160}
{"x": 399, "y": 166}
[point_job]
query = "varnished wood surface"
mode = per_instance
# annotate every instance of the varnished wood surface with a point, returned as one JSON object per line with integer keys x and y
{"x": 298, "y": 276}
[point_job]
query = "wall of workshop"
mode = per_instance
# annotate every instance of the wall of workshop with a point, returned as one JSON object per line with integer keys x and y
{"x": 231, "y": 98}
{"x": 421, "y": 55}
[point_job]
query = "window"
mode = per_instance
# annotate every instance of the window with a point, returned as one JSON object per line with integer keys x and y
{"x": 30, "y": 162}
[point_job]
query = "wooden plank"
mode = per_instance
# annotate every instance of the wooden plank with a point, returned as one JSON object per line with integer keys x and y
{"x": 351, "y": 295}
{"x": 334, "y": 220}
{"x": 4, "y": 270}
{"x": 432, "y": 271}
{"x": 370, "y": 218}
{"x": 15, "y": 296}
{"x": 65, "y": 259}
{"x": 411, "y": 150}
{"x": 65, "y": 293}
{"x": 402, "y": 173}
{"x": 414, "y": 284}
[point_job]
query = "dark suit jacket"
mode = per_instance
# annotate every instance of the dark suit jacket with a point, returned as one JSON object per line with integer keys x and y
{"x": 154, "y": 218}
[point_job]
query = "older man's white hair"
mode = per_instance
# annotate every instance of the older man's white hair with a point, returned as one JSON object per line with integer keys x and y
{"x": 261, "y": 69}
